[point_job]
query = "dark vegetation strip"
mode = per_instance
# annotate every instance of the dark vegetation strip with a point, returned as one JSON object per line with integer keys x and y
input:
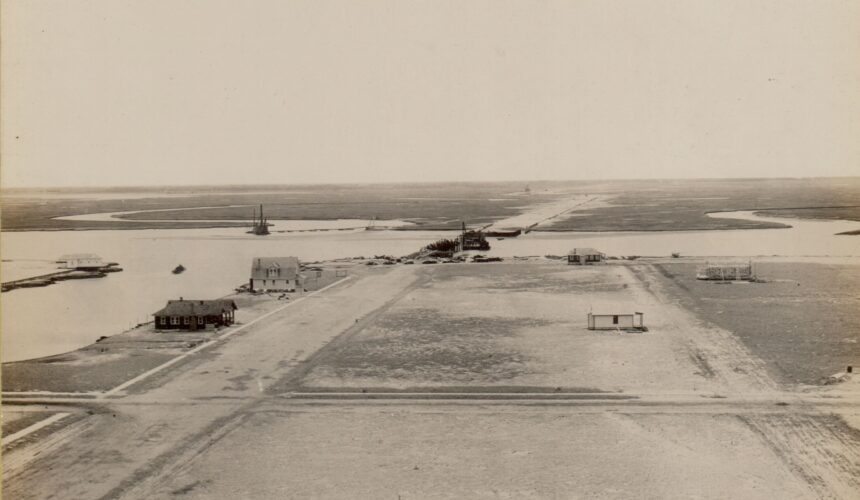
{"x": 45, "y": 374}
{"x": 489, "y": 395}
{"x": 652, "y": 205}
{"x": 13, "y": 426}
{"x": 454, "y": 389}
{"x": 435, "y": 205}
{"x": 684, "y": 205}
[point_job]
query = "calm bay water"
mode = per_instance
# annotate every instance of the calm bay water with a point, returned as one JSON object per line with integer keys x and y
{"x": 43, "y": 321}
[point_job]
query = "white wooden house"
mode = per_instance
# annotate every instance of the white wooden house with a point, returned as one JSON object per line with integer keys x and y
{"x": 276, "y": 274}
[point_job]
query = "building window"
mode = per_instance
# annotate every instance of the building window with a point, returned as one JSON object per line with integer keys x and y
{"x": 615, "y": 320}
{"x": 174, "y": 320}
{"x": 185, "y": 320}
{"x": 199, "y": 320}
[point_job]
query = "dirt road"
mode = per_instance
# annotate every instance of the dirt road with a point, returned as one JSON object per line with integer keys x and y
{"x": 683, "y": 410}
{"x": 544, "y": 213}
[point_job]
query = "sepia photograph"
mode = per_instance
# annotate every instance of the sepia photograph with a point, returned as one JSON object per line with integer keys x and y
{"x": 414, "y": 249}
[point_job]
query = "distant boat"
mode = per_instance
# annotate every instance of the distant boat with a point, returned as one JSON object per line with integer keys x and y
{"x": 371, "y": 225}
{"x": 178, "y": 269}
{"x": 473, "y": 240}
{"x": 260, "y": 227}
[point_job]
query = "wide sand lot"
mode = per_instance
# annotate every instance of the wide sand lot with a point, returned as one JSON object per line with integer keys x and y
{"x": 468, "y": 381}
{"x": 521, "y": 327}
{"x": 545, "y": 408}
{"x": 480, "y": 452}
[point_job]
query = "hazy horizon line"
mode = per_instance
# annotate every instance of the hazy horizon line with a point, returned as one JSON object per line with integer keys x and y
{"x": 415, "y": 182}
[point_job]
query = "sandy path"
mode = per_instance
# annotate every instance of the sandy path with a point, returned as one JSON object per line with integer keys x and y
{"x": 715, "y": 352}
{"x": 544, "y": 212}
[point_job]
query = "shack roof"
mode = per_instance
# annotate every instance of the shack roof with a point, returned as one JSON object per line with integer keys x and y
{"x": 728, "y": 264}
{"x": 77, "y": 256}
{"x": 183, "y": 307}
{"x": 288, "y": 267}
{"x": 585, "y": 251}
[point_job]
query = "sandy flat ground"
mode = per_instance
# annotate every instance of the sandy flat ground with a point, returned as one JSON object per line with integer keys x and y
{"x": 498, "y": 325}
{"x": 459, "y": 381}
{"x": 453, "y": 452}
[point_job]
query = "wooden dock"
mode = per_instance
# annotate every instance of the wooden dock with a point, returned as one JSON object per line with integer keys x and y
{"x": 66, "y": 274}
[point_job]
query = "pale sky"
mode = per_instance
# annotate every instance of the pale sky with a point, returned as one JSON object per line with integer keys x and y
{"x": 153, "y": 92}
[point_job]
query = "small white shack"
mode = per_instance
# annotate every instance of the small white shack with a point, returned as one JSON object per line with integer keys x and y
{"x": 584, "y": 256}
{"x": 631, "y": 321}
{"x": 726, "y": 271}
{"x": 80, "y": 261}
{"x": 281, "y": 274}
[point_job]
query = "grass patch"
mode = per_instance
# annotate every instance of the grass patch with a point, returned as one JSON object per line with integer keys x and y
{"x": 683, "y": 205}
{"x": 803, "y": 323}
{"x": 430, "y": 206}
{"x": 429, "y": 346}
{"x": 67, "y": 375}
{"x": 22, "y": 421}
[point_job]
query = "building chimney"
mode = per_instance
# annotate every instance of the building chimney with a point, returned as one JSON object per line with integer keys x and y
{"x": 180, "y": 299}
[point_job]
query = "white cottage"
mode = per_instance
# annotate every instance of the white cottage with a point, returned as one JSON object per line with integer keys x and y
{"x": 275, "y": 274}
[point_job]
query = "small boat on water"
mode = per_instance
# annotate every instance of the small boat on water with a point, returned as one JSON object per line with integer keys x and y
{"x": 178, "y": 269}
{"x": 371, "y": 225}
{"x": 259, "y": 227}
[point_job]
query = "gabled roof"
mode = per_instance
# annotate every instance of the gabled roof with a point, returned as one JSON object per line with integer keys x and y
{"x": 196, "y": 307}
{"x": 585, "y": 251}
{"x": 288, "y": 267}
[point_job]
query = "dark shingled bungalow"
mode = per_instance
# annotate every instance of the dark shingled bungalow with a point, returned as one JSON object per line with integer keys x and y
{"x": 195, "y": 314}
